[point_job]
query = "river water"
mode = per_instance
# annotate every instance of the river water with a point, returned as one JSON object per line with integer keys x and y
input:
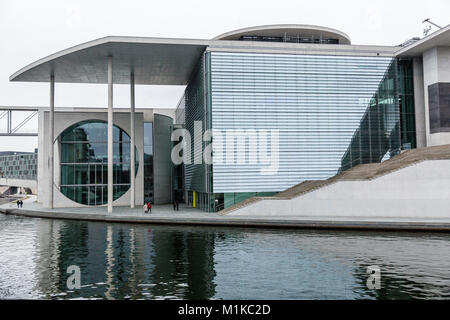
{"x": 121, "y": 261}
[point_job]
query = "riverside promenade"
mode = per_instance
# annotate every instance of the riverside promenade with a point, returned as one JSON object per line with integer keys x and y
{"x": 164, "y": 214}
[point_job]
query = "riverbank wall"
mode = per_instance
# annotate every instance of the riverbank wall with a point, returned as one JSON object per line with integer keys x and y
{"x": 195, "y": 219}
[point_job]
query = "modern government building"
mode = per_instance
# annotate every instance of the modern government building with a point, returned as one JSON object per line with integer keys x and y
{"x": 334, "y": 105}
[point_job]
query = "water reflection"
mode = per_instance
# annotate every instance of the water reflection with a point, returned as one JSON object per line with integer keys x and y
{"x": 120, "y": 261}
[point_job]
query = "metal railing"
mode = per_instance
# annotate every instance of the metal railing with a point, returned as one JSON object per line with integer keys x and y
{"x": 219, "y": 207}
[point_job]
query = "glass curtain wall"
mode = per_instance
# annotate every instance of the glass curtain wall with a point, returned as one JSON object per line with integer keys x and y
{"x": 148, "y": 162}
{"x": 195, "y": 112}
{"x": 377, "y": 137}
{"x": 84, "y": 162}
{"x": 405, "y": 83}
{"x": 331, "y": 112}
{"x": 194, "y": 107}
{"x": 315, "y": 102}
{"x": 389, "y": 122}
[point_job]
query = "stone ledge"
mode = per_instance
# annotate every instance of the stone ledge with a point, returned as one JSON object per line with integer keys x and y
{"x": 307, "y": 223}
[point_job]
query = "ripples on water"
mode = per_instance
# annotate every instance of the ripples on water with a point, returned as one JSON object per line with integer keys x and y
{"x": 120, "y": 261}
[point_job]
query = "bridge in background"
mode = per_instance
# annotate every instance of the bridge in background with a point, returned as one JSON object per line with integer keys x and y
{"x": 16, "y": 129}
{"x": 20, "y": 184}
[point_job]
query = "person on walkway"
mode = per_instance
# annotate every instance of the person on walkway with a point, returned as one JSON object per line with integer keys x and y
{"x": 21, "y": 203}
{"x": 18, "y": 203}
{"x": 149, "y": 207}
{"x": 174, "y": 205}
{"x": 145, "y": 208}
{"x": 177, "y": 204}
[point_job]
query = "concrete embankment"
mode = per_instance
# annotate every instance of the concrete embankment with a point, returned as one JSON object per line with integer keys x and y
{"x": 413, "y": 186}
{"x": 354, "y": 223}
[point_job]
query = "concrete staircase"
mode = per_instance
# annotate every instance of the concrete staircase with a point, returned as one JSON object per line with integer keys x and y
{"x": 360, "y": 172}
{"x": 241, "y": 205}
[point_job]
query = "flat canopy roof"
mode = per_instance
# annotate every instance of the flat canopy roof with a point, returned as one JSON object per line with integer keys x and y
{"x": 436, "y": 39}
{"x": 170, "y": 61}
{"x": 158, "y": 61}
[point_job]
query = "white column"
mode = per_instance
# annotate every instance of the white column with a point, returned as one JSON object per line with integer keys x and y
{"x": 110, "y": 135}
{"x": 51, "y": 133}
{"x": 132, "y": 155}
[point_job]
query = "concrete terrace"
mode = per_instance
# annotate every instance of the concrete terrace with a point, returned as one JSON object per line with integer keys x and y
{"x": 361, "y": 172}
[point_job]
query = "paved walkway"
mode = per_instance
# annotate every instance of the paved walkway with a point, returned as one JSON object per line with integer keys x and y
{"x": 164, "y": 214}
{"x": 157, "y": 210}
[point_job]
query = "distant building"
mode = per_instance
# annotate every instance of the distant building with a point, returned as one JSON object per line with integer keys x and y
{"x": 18, "y": 165}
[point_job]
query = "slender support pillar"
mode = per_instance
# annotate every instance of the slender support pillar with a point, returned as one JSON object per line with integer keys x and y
{"x": 110, "y": 135}
{"x": 132, "y": 154}
{"x": 51, "y": 133}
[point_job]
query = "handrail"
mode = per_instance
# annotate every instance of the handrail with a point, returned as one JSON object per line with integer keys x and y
{"x": 219, "y": 207}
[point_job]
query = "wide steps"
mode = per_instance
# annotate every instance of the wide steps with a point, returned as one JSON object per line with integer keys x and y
{"x": 360, "y": 172}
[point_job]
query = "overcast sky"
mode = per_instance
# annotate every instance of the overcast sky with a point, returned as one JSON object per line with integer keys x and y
{"x": 31, "y": 30}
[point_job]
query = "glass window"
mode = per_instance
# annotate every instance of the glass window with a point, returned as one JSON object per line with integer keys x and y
{"x": 99, "y": 194}
{"x": 98, "y": 152}
{"x": 92, "y": 177}
{"x": 148, "y": 161}
{"x": 148, "y": 134}
{"x": 84, "y": 155}
{"x": 98, "y": 132}
{"x": 67, "y": 174}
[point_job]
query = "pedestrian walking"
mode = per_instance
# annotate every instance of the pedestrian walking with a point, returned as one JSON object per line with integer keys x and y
{"x": 174, "y": 205}
{"x": 177, "y": 204}
{"x": 149, "y": 207}
{"x": 21, "y": 203}
{"x": 18, "y": 203}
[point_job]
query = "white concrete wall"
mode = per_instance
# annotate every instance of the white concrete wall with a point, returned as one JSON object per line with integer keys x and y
{"x": 63, "y": 120}
{"x": 436, "y": 68}
{"x": 42, "y": 184}
{"x": 149, "y": 114}
{"x": 420, "y": 190}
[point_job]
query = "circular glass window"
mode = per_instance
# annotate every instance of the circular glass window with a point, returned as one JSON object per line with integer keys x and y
{"x": 84, "y": 162}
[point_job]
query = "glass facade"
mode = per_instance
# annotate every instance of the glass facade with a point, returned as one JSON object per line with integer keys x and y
{"x": 230, "y": 199}
{"x": 315, "y": 102}
{"x": 195, "y": 111}
{"x": 148, "y": 162}
{"x": 195, "y": 107}
{"x": 405, "y": 88}
{"x": 389, "y": 122}
{"x": 290, "y": 39}
{"x": 331, "y": 112}
{"x": 84, "y": 162}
